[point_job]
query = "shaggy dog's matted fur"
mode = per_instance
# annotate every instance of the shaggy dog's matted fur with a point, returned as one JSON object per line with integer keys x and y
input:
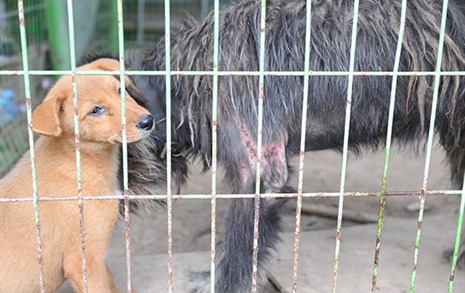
{"x": 377, "y": 34}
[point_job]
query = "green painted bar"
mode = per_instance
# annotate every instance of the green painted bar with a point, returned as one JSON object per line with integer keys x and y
{"x": 382, "y": 199}
{"x": 27, "y": 89}
{"x": 429, "y": 146}
{"x": 346, "y": 142}
{"x": 303, "y": 133}
{"x": 75, "y": 94}
{"x": 72, "y": 54}
{"x": 457, "y": 239}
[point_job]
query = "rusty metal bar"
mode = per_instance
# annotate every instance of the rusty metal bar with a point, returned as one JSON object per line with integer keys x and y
{"x": 236, "y": 73}
{"x": 214, "y": 142}
{"x": 429, "y": 147}
{"x": 261, "y": 97}
{"x": 303, "y": 133}
{"x": 457, "y": 239}
{"x": 346, "y": 142}
{"x": 382, "y": 199}
{"x": 122, "y": 79}
{"x": 27, "y": 89}
{"x": 233, "y": 196}
{"x": 169, "y": 204}
{"x": 77, "y": 141}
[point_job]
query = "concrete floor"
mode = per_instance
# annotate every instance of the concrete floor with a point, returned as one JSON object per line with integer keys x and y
{"x": 191, "y": 232}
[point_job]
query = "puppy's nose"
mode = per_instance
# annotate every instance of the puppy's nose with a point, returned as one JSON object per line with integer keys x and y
{"x": 146, "y": 123}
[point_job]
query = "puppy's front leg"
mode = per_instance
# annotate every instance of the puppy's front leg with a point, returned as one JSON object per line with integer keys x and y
{"x": 99, "y": 277}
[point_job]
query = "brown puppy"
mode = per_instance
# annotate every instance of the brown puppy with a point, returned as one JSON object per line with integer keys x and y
{"x": 100, "y": 136}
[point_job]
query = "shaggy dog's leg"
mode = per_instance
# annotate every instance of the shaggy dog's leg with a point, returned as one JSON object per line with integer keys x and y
{"x": 235, "y": 253}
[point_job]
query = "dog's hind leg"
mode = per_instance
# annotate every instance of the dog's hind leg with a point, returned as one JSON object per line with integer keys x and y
{"x": 235, "y": 253}
{"x": 234, "y": 268}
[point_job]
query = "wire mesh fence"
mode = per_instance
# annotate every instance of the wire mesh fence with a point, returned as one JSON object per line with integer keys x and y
{"x": 29, "y": 39}
{"x": 46, "y": 33}
{"x": 13, "y": 135}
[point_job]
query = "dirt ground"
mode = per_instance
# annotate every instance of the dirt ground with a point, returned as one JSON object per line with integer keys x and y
{"x": 191, "y": 218}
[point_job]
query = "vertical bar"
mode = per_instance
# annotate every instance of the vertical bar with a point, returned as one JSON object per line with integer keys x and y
{"x": 302, "y": 143}
{"x": 346, "y": 141}
{"x": 457, "y": 239}
{"x": 261, "y": 97}
{"x": 125, "y": 143}
{"x": 77, "y": 137}
{"x": 382, "y": 199}
{"x": 214, "y": 141}
{"x": 27, "y": 89}
{"x": 429, "y": 147}
{"x": 168, "y": 144}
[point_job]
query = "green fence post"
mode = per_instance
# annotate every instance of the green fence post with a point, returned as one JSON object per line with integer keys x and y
{"x": 58, "y": 33}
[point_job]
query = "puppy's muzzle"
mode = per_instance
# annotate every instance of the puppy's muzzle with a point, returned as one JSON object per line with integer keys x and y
{"x": 146, "y": 123}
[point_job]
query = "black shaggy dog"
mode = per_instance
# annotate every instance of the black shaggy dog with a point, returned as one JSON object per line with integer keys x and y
{"x": 377, "y": 35}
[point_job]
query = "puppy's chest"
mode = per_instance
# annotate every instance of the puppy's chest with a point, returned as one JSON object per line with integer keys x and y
{"x": 100, "y": 185}
{"x": 100, "y": 181}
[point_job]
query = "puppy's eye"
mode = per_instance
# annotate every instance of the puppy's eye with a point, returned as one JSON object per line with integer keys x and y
{"x": 119, "y": 90}
{"x": 97, "y": 111}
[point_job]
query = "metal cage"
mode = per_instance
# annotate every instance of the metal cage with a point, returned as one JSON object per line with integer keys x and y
{"x": 28, "y": 41}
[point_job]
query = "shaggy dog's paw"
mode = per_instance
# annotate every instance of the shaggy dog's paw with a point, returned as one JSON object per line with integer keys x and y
{"x": 449, "y": 254}
{"x": 199, "y": 282}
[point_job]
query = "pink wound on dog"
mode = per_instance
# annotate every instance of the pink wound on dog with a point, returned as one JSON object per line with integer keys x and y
{"x": 274, "y": 171}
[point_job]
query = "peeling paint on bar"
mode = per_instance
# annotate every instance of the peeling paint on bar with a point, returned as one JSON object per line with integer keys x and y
{"x": 233, "y": 196}
{"x": 346, "y": 142}
{"x": 214, "y": 142}
{"x": 382, "y": 199}
{"x": 457, "y": 239}
{"x": 429, "y": 146}
{"x": 169, "y": 204}
{"x": 76, "y": 133}
{"x": 303, "y": 133}
{"x": 261, "y": 97}
{"x": 127, "y": 229}
{"x": 237, "y": 73}
{"x": 35, "y": 196}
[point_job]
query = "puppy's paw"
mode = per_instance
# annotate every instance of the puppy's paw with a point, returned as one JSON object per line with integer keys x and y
{"x": 199, "y": 282}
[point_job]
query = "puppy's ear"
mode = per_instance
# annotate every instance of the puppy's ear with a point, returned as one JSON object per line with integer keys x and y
{"x": 45, "y": 118}
{"x": 105, "y": 64}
